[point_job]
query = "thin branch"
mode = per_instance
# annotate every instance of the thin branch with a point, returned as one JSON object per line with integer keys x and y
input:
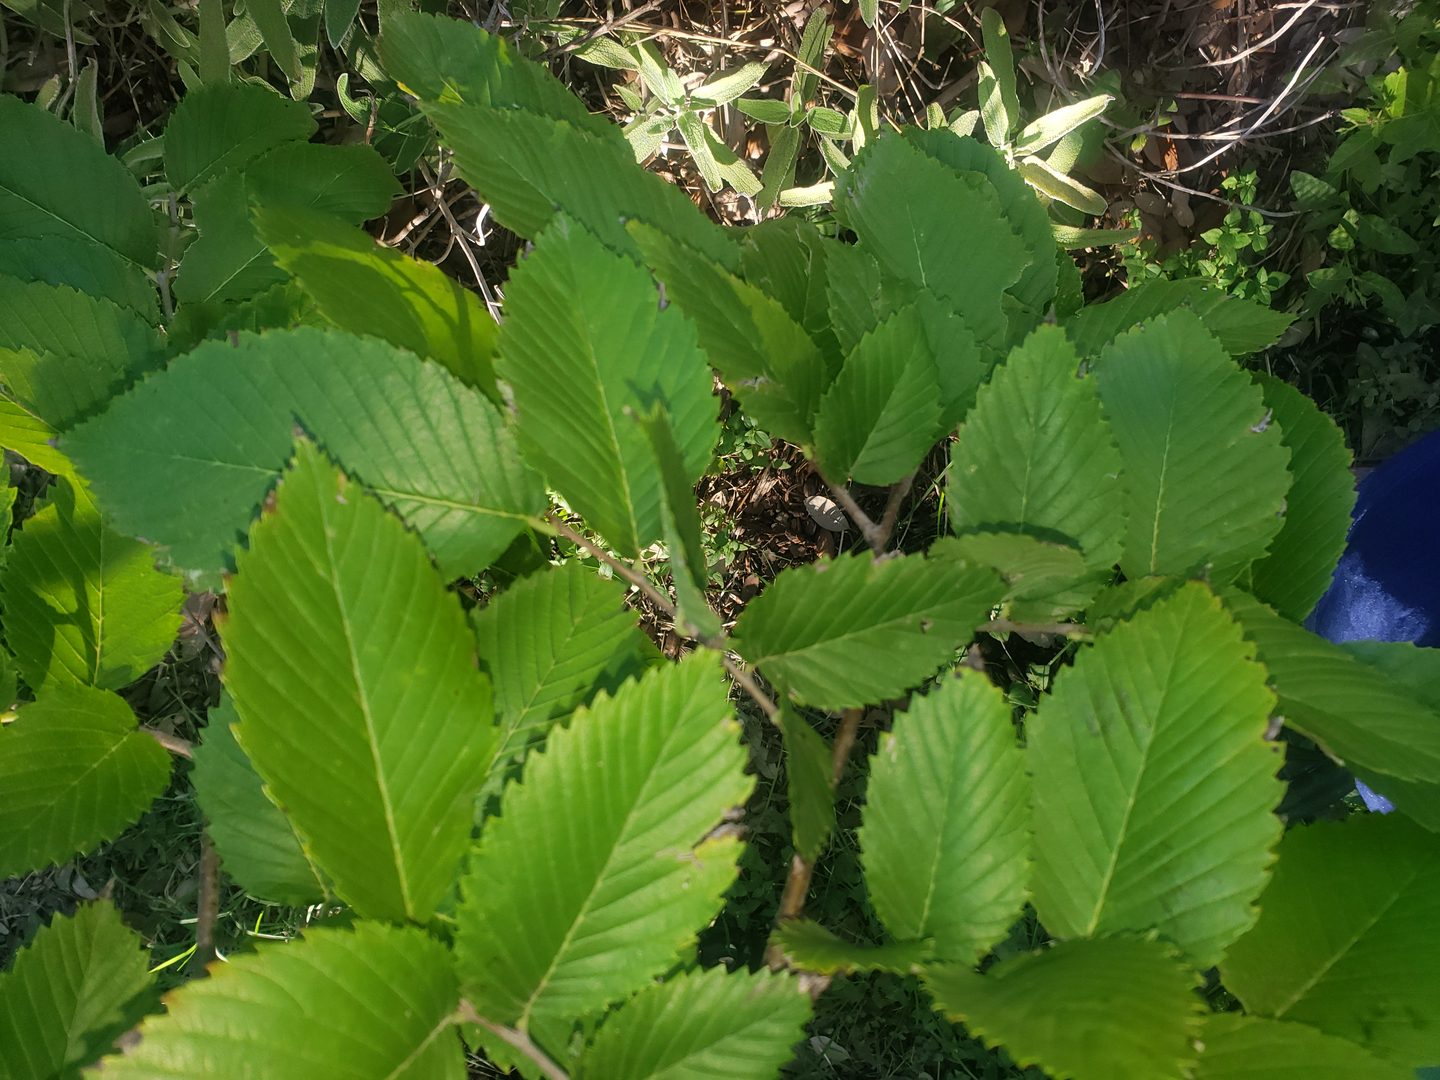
{"x": 868, "y": 528}
{"x": 797, "y": 885}
{"x": 747, "y": 681}
{"x": 518, "y": 1039}
{"x": 898, "y": 491}
{"x": 639, "y": 580}
{"x": 845, "y": 742}
{"x": 207, "y": 910}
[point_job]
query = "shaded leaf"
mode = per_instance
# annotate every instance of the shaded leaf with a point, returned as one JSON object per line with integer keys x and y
{"x": 705, "y": 1024}
{"x": 1374, "y": 725}
{"x": 343, "y": 652}
{"x": 1047, "y": 581}
{"x": 83, "y": 604}
{"x": 1117, "y": 1008}
{"x": 81, "y": 982}
{"x": 367, "y": 288}
{"x": 83, "y": 265}
{"x": 1301, "y": 560}
{"x": 556, "y": 921}
{"x": 810, "y": 782}
{"x": 186, "y": 458}
{"x": 219, "y": 127}
{"x": 58, "y": 183}
{"x": 808, "y": 946}
{"x": 545, "y": 641}
{"x": 586, "y": 338}
{"x": 946, "y": 838}
{"x": 64, "y": 354}
{"x": 1361, "y": 965}
{"x": 372, "y": 1003}
{"x": 75, "y": 771}
{"x": 259, "y": 847}
{"x": 229, "y": 261}
{"x": 880, "y": 417}
{"x": 1036, "y": 456}
{"x": 1154, "y": 784}
{"x": 967, "y": 256}
{"x": 850, "y": 632}
{"x": 1205, "y": 475}
{"x": 1242, "y": 326}
{"x": 762, "y": 352}
{"x": 1252, "y": 1048}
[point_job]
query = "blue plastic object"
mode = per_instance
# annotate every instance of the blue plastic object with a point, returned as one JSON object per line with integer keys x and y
{"x": 1387, "y": 586}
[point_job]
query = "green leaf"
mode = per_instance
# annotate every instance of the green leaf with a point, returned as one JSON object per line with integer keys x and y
{"x": 186, "y": 457}
{"x": 339, "y": 17}
{"x": 778, "y": 172}
{"x": 598, "y": 869}
{"x": 825, "y": 121}
{"x": 78, "y": 985}
{"x": 725, "y": 86}
{"x": 545, "y": 641}
{"x": 811, "y": 54}
{"x": 64, "y": 354}
{"x": 260, "y": 849}
{"x": 372, "y": 1003}
{"x": 1361, "y": 964}
{"x": 343, "y": 651}
{"x": 1002, "y": 63}
{"x": 946, "y": 838}
{"x": 75, "y": 771}
{"x": 30, "y": 437}
{"x": 1047, "y": 582}
{"x": 881, "y": 416}
{"x": 850, "y": 632}
{"x": 1119, "y": 1008}
{"x": 967, "y": 256}
{"x": 226, "y": 126}
{"x": 810, "y": 781}
{"x": 1205, "y": 473}
{"x": 1027, "y": 218}
{"x": 786, "y": 258}
{"x": 441, "y": 59}
{"x": 608, "y": 53}
{"x": 808, "y": 946}
{"x": 1252, "y": 1048}
{"x": 366, "y": 288}
{"x": 269, "y": 16}
{"x": 1154, "y": 783}
{"x": 705, "y": 1025}
{"x": 1060, "y": 187}
{"x": 770, "y": 363}
{"x": 56, "y": 183}
{"x": 229, "y": 261}
{"x": 766, "y": 110}
{"x": 585, "y": 339}
{"x": 529, "y": 168}
{"x": 1036, "y": 456}
{"x": 1072, "y": 238}
{"x": 692, "y": 130}
{"x": 1242, "y": 326}
{"x": 1370, "y": 723}
{"x": 1302, "y": 558}
{"x": 84, "y": 605}
{"x": 1054, "y": 126}
{"x": 683, "y": 531}
{"x": 82, "y": 265}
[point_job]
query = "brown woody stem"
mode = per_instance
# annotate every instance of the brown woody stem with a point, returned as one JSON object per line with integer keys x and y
{"x": 518, "y": 1039}
{"x": 207, "y": 909}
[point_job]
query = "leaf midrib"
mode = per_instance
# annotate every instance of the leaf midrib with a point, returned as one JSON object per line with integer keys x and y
{"x": 72, "y": 226}
{"x": 363, "y": 698}
{"x": 1340, "y": 954}
{"x": 1153, "y": 729}
{"x": 581, "y": 915}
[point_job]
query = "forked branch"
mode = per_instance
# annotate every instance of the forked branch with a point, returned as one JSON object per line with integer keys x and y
{"x": 518, "y": 1039}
